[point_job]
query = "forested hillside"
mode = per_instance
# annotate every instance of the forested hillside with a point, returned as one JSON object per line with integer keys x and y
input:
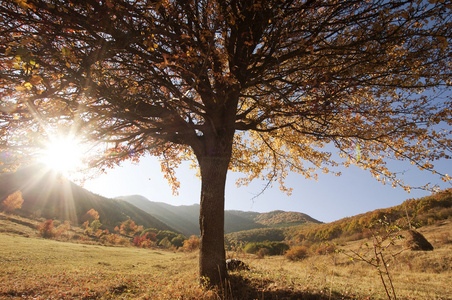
{"x": 185, "y": 218}
{"x": 415, "y": 212}
{"x": 48, "y": 195}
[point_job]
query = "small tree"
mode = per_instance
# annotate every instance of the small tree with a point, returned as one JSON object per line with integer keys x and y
{"x": 92, "y": 223}
{"x": 128, "y": 228}
{"x": 12, "y": 202}
{"x": 178, "y": 241}
{"x": 165, "y": 243}
{"x": 191, "y": 244}
{"x": 46, "y": 229}
{"x": 146, "y": 240}
{"x": 91, "y": 215}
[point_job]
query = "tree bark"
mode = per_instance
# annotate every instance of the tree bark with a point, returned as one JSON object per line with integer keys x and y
{"x": 212, "y": 265}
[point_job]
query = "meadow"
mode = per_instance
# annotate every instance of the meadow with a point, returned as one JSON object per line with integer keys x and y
{"x": 36, "y": 268}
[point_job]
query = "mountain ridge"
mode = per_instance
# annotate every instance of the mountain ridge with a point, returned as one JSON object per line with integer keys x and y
{"x": 235, "y": 220}
{"x": 49, "y": 195}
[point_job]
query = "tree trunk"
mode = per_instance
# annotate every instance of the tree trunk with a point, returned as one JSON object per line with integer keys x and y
{"x": 212, "y": 265}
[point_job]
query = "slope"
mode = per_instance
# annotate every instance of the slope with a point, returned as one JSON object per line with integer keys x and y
{"x": 49, "y": 195}
{"x": 185, "y": 217}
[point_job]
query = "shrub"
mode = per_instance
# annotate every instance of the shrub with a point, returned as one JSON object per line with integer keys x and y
{"x": 326, "y": 249}
{"x": 46, "y": 229}
{"x": 146, "y": 240}
{"x": 63, "y": 230}
{"x": 165, "y": 243}
{"x": 178, "y": 241}
{"x": 263, "y": 252}
{"x": 274, "y": 248}
{"x": 297, "y": 253}
{"x": 114, "y": 239}
{"x": 191, "y": 244}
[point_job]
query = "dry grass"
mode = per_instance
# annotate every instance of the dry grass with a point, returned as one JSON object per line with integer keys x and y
{"x": 34, "y": 268}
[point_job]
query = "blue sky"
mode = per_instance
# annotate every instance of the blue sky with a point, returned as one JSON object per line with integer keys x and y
{"x": 328, "y": 199}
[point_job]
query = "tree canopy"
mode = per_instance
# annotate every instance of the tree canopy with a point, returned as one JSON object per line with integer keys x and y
{"x": 259, "y": 87}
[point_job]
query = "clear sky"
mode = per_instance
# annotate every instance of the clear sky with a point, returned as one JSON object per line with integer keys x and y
{"x": 328, "y": 199}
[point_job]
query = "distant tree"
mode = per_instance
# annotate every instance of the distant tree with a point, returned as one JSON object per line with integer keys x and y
{"x": 274, "y": 248}
{"x": 254, "y": 86}
{"x": 128, "y": 228}
{"x": 12, "y": 202}
{"x": 166, "y": 234}
{"x": 92, "y": 224}
{"x": 46, "y": 229}
{"x": 63, "y": 230}
{"x": 165, "y": 243}
{"x": 178, "y": 241}
{"x": 191, "y": 244}
{"x": 91, "y": 215}
{"x": 146, "y": 240}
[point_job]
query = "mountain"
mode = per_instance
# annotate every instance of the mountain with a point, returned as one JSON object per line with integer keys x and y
{"x": 182, "y": 218}
{"x": 185, "y": 218}
{"x": 49, "y": 195}
{"x": 277, "y": 218}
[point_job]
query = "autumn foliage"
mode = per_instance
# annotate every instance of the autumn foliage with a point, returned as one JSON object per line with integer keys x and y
{"x": 91, "y": 215}
{"x": 128, "y": 228}
{"x": 46, "y": 229}
{"x": 147, "y": 240}
{"x": 191, "y": 244}
{"x": 12, "y": 202}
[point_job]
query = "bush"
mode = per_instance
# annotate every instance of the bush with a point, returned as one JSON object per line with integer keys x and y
{"x": 46, "y": 229}
{"x": 178, "y": 241}
{"x": 165, "y": 243}
{"x": 114, "y": 239}
{"x": 274, "y": 248}
{"x": 146, "y": 240}
{"x": 263, "y": 252}
{"x": 191, "y": 244}
{"x": 297, "y": 253}
{"x": 326, "y": 249}
{"x": 63, "y": 230}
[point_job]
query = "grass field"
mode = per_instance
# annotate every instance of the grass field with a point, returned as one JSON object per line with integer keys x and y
{"x": 35, "y": 268}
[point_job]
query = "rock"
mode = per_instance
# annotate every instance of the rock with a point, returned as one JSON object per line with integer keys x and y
{"x": 233, "y": 264}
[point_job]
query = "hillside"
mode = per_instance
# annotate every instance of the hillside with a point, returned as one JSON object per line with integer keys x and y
{"x": 48, "y": 195}
{"x": 277, "y": 218}
{"x": 185, "y": 218}
{"x": 182, "y": 218}
{"x": 424, "y": 211}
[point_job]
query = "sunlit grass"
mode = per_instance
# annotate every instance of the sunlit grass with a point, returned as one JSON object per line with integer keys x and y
{"x": 45, "y": 268}
{"x": 36, "y": 268}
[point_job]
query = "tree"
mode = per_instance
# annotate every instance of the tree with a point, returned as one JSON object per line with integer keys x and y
{"x": 128, "y": 227}
{"x": 46, "y": 229}
{"x": 91, "y": 215}
{"x": 13, "y": 202}
{"x": 260, "y": 87}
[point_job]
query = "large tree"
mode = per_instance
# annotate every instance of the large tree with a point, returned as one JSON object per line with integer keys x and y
{"x": 257, "y": 86}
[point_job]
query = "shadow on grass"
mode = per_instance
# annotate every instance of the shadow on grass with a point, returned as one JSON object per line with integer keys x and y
{"x": 241, "y": 288}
